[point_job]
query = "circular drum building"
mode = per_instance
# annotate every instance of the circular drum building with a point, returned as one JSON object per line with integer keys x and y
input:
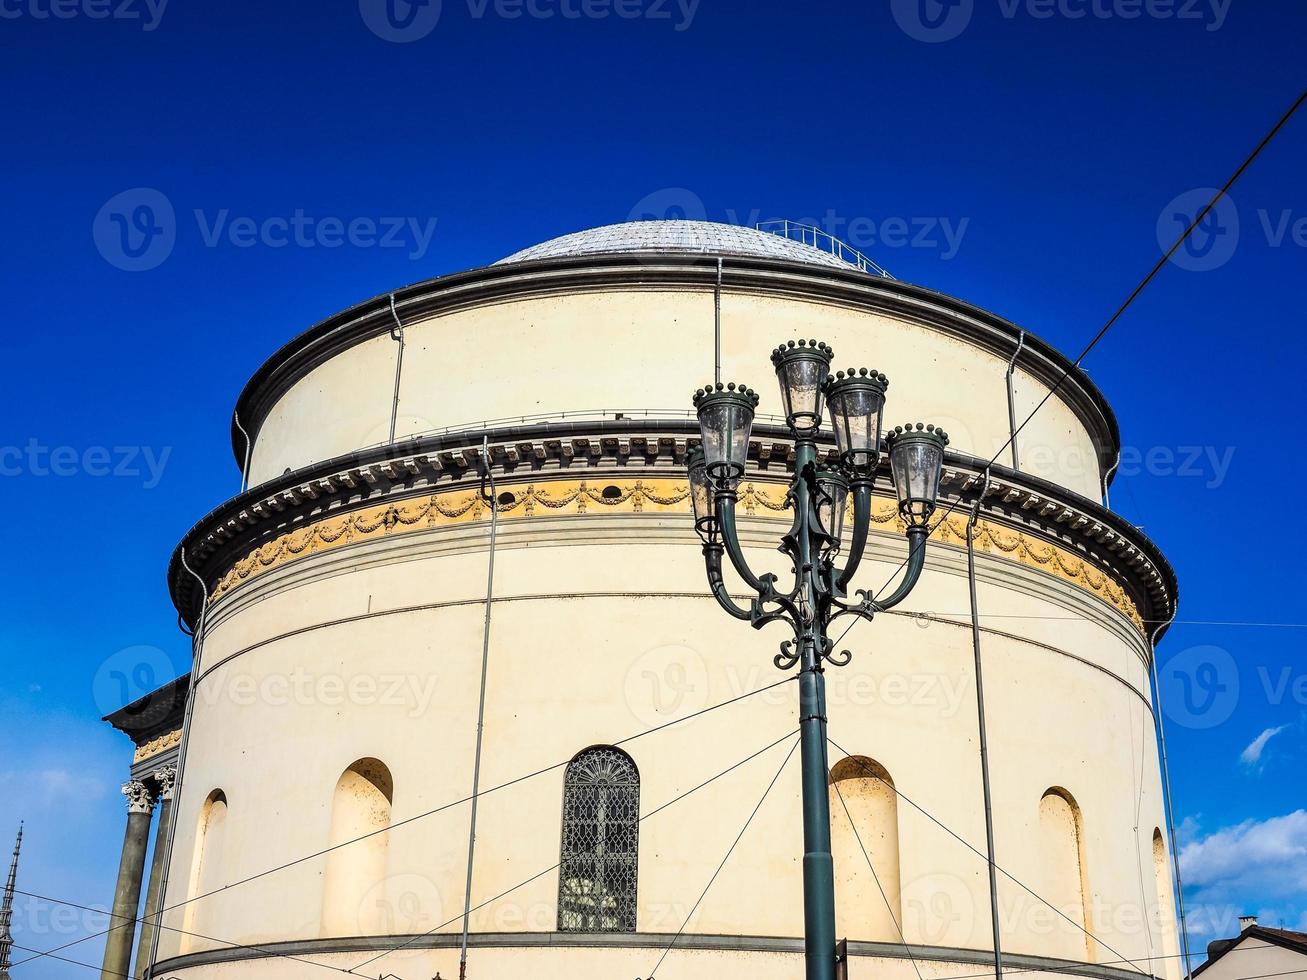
{"x": 346, "y": 603}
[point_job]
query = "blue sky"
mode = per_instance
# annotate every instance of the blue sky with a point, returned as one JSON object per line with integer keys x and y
{"x": 1032, "y": 150}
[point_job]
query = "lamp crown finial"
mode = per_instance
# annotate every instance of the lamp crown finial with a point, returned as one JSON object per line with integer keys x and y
{"x": 912, "y": 428}
{"x": 730, "y": 389}
{"x": 808, "y": 347}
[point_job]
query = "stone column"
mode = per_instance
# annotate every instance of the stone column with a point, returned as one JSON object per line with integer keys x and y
{"x": 127, "y": 892}
{"x": 163, "y": 784}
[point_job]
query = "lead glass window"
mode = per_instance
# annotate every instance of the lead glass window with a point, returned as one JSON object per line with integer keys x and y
{"x": 601, "y": 813}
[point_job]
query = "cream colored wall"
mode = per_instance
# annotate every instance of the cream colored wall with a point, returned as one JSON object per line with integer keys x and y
{"x": 595, "y": 638}
{"x": 649, "y": 349}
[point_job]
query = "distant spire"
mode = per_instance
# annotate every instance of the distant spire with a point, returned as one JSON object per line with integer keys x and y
{"x": 7, "y": 909}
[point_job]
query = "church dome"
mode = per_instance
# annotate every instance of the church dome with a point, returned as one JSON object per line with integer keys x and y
{"x": 678, "y": 236}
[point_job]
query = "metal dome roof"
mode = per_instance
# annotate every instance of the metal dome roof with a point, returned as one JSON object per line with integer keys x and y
{"x": 698, "y": 237}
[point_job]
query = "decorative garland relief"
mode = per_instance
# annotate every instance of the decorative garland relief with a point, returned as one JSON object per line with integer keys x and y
{"x": 157, "y": 745}
{"x": 578, "y": 498}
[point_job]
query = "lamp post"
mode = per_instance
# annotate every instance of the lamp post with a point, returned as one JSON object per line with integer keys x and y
{"x": 818, "y": 494}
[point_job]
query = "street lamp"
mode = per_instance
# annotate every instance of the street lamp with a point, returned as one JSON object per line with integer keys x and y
{"x": 855, "y": 401}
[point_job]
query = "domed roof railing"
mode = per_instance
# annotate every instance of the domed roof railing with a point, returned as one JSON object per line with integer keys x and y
{"x": 823, "y": 241}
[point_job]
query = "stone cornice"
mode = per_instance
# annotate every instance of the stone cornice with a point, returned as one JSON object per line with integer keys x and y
{"x": 798, "y": 280}
{"x": 153, "y": 714}
{"x": 637, "y": 940}
{"x": 622, "y": 452}
{"x": 554, "y": 497}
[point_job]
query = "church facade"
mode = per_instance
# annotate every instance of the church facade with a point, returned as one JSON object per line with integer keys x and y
{"x": 472, "y": 491}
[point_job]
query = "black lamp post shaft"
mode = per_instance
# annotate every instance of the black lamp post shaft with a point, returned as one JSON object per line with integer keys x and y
{"x": 819, "y": 592}
{"x": 818, "y": 867}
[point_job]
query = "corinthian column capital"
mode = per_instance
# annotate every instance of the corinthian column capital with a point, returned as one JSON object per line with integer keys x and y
{"x": 139, "y": 798}
{"x": 165, "y": 779}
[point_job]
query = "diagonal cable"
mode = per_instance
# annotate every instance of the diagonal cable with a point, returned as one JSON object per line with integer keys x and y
{"x": 1134, "y": 294}
{"x": 875, "y": 877}
{"x": 729, "y": 851}
{"x": 408, "y": 820}
{"x": 555, "y": 866}
{"x": 967, "y": 844}
{"x": 225, "y": 943}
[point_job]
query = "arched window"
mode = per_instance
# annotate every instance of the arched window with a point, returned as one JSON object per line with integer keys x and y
{"x": 1066, "y": 884}
{"x": 1165, "y": 907}
{"x": 360, "y": 806}
{"x": 601, "y": 813}
{"x": 865, "y": 789}
{"x": 207, "y": 871}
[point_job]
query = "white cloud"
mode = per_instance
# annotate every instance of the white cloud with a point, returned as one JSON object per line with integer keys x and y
{"x": 1252, "y": 755}
{"x": 1257, "y": 865}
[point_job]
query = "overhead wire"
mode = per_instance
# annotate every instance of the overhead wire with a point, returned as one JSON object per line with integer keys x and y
{"x": 729, "y": 851}
{"x": 412, "y": 819}
{"x": 968, "y": 845}
{"x": 553, "y": 867}
{"x": 1134, "y": 294}
{"x": 898, "y": 927}
{"x": 273, "y": 953}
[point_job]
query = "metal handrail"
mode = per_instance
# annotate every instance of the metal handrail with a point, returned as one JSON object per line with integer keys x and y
{"x": 823, "y": 241}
